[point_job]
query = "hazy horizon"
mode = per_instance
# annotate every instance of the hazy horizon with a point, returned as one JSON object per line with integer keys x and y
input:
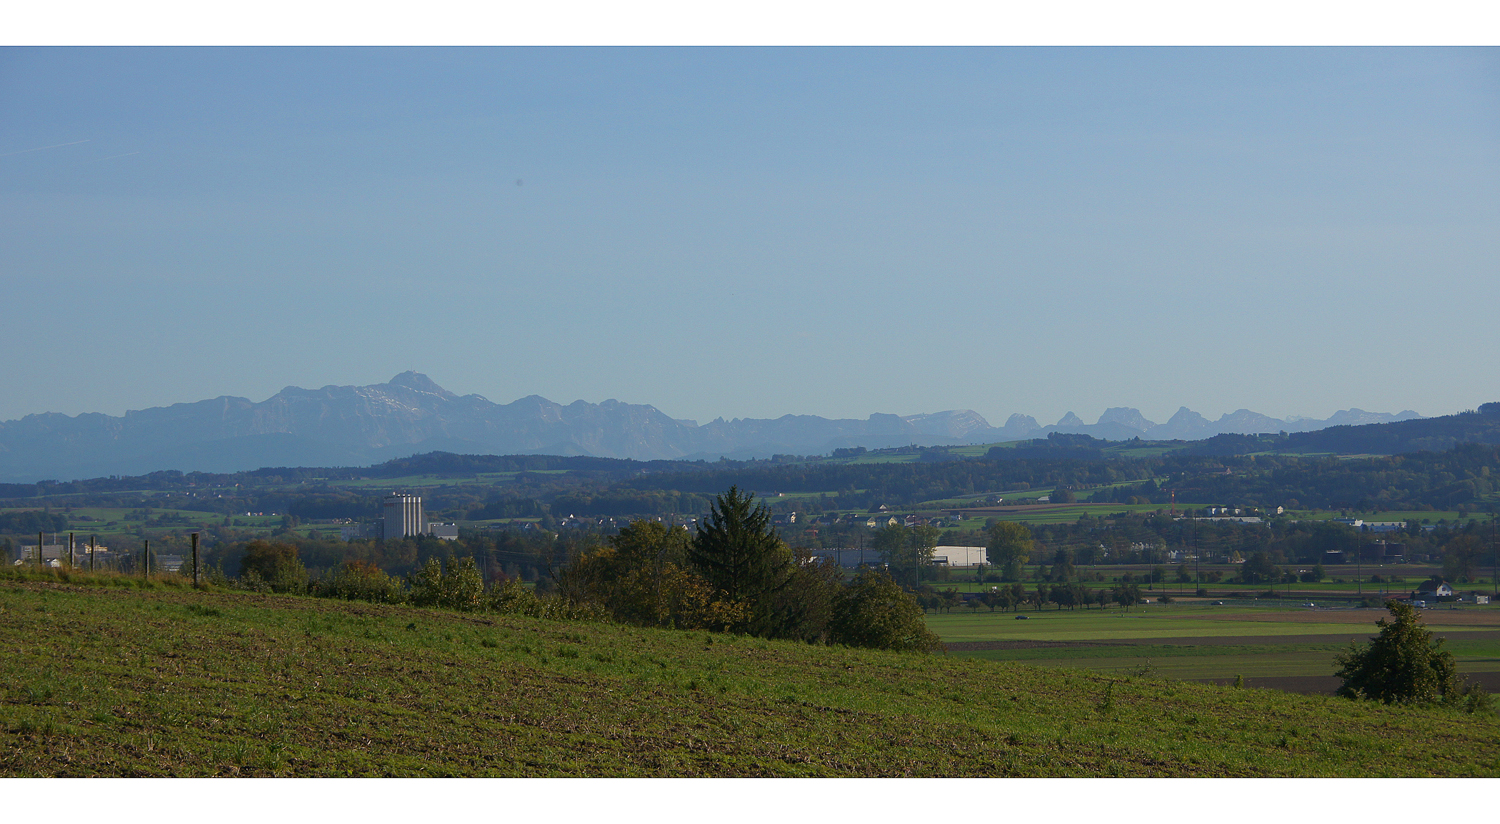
{"x": 756, "y": 232}
{"x": 994, "y": 420}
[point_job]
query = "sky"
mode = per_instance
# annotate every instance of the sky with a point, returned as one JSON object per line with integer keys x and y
{"x": 754, "y": 232}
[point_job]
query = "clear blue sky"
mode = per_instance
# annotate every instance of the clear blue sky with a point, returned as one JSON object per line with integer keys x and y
{"x": 756, "y": 232}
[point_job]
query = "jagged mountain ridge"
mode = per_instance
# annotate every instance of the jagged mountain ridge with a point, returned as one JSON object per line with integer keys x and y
{"x": 359, "y": 425}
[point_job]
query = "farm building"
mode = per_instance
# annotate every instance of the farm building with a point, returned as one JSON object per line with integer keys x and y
{"x": 959, "y": 556}
{"x": 1433, "y": 589}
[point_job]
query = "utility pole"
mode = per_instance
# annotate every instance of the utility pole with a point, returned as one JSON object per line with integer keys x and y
{"x": 1197, "y": 559}
{"x": 93, "y": 550}
{"x": 197, "y": 580}
{"x": 39, "y": 537}
{"x": 916, "y": 560}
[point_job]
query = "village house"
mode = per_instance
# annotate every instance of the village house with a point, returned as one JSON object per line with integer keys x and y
{"x": 1434, "y": 590}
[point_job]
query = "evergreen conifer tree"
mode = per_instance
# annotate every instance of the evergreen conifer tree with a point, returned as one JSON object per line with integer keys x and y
{"x": 1400, "y": 665}
{"x": 740, "y": 555}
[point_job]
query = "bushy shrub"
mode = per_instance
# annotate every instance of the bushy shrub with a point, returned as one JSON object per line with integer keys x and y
{"x": 362, "y": 581}
{"x": 426, "y": 584}
{"x": 251, "y": 580}
{"x": 1472, "y": 699}
{"x": 274, "y": 567}
{"x": 515, "y": 598}
{"x": 214, "y": 576}
{"x": 460, "y": 588}
{"x": 463, "y": 586}
{"x": 873, "y": 611}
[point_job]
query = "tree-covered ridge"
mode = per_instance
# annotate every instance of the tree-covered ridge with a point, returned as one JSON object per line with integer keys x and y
{"x": 1460, "y": 477}
{"x": 1422, "y": 435}
{"x": 1434, "y": 480}
{"x": 1254, "y": 470}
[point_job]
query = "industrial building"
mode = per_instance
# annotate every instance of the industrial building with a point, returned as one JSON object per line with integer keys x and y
{"x": 403, "y": 517}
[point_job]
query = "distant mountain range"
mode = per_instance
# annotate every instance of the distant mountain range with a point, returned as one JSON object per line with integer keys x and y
{"x": 362, "y": 425}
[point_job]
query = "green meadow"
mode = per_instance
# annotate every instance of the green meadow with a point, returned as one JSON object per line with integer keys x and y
{"x": 1202, "y": 641}
{"x": 120, "y": 677}
{"x": 117, "y": 527}
{"x": 431, "y": 480}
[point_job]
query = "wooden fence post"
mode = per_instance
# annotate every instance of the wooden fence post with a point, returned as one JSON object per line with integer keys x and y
{"x": 70, "y": 550}
{"x": 146, "y": 559}
{"x": 93, "y": 550}
{"x": 39, "y": 551}
{"x": 195, "y": 559}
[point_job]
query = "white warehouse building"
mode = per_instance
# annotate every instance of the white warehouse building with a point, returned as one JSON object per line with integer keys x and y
{"x": 959, "y": 556}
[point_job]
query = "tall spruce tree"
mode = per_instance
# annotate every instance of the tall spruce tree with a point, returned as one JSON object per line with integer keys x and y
{"x": 738, "y": 552}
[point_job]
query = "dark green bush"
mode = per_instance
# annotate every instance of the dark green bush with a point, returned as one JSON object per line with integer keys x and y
{"x": 1403, "y": 664}
{"x": 274, "y": 567}
{"x": 873, "y": 611}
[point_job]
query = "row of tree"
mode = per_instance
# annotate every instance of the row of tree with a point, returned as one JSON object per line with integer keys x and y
{"x": 1070, "y": 594}
{"x": 734, "y": 575}
{"x": 737, "y": 575}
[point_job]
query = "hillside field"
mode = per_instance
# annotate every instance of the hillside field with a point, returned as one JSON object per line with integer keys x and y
{"x": 105, "y": 678}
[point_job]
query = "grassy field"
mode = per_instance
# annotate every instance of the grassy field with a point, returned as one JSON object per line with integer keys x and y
{"x": 1200, "y": 641}
{"x": 118, "y": 525}
{"x": 429, "y": 480}
{"x": 1059, "y": 513}
{"x": 129, "y": 681}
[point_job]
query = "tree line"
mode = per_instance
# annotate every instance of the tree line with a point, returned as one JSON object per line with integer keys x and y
{"x": 734, "y": 575}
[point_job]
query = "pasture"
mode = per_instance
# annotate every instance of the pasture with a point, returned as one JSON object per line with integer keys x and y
{"x": 437, "y": 480}
{"x": 121, "y": 525}
{"x": 1289, "y": 648}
